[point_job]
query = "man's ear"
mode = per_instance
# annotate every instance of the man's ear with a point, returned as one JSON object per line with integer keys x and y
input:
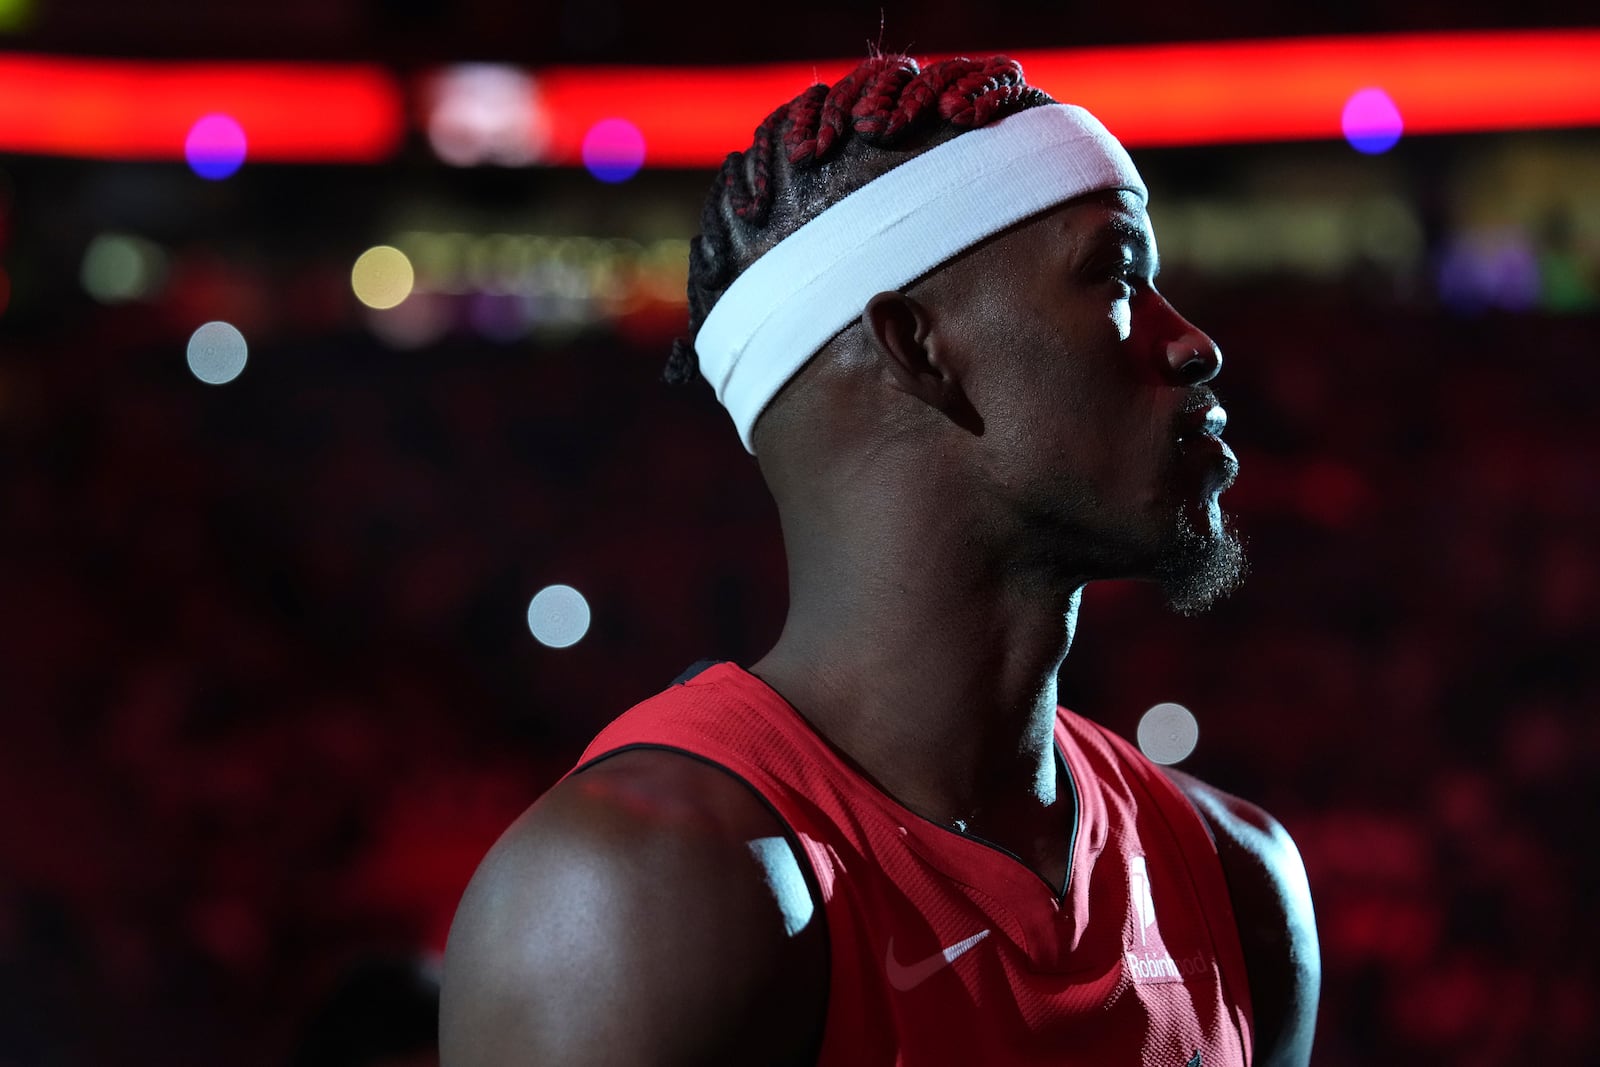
{"x": 901, "y": 330}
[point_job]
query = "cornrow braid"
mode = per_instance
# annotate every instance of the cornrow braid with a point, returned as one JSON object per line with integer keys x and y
{"x": 920, "y": 98}
{"x": 834, "y": 140}
{"x": 979, "y": 96}
{"x": 810, "y": 144}
{"x": 752, "y": 201}
{"x": 880, "y": 96}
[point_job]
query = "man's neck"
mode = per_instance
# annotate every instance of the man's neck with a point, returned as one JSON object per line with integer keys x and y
{"x": 939, "y": 682}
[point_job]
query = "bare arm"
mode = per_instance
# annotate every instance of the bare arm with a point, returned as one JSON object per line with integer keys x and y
{"x": 646, "y": 911}
{"x": 1277, "y": 929}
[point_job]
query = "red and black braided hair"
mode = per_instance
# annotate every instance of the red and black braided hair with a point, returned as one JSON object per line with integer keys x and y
{"x": 823, "y": 145}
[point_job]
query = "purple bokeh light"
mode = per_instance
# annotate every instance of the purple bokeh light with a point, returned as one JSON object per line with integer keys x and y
{"x": 1490, "y": 268}
{"x": 497, "y": 316}
{"x": 215, "y": 147}
{"x": 1371, "y": 121}
{"x": 613, "y": 150}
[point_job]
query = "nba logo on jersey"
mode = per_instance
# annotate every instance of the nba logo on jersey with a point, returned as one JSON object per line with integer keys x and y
{"x": 1147, "y": 957}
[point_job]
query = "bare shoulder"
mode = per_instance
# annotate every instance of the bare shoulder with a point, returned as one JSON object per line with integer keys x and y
{"x": 1277, "y": 927}
{"x": 649, "y": 910}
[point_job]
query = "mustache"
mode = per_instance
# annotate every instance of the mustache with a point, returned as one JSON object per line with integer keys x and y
{"x": 1192, "y": 414}
{"x": 1201, "y": 398}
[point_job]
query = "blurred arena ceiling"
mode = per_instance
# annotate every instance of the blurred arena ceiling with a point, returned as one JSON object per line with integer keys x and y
{"x": 646, "y": 31}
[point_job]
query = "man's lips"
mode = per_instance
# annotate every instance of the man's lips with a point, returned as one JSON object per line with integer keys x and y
{"x": 1204, "y": 451}
{"x": 1209, "y": 420}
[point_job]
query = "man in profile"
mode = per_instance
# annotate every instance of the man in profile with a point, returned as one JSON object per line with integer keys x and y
{"x": 926, "y": 297}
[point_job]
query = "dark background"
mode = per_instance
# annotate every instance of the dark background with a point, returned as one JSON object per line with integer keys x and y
{"x": 267, "y": 691}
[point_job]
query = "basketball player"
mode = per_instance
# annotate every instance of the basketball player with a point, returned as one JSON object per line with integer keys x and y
{"x": 927, "y": 299}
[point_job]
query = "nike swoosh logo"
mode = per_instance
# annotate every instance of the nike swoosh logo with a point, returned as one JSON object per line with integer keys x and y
{"x": 906, "y": 977}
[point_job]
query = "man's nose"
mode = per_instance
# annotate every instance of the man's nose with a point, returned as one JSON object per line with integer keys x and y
{"x": 1192, "y": 356}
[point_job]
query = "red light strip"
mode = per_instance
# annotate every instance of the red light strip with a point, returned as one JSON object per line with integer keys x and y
{"x": 112, "y": 109}
{"x": 1149, "y": 95}
{"x": 1296, "y": 89}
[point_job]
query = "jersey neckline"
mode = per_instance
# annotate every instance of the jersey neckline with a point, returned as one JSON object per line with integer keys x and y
{"x": 967, "y": 859}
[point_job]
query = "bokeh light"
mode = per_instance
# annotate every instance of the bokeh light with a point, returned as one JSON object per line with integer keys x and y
{"x": 382, "y": 277}
{"x": 217, "y": 353}
{"x": 496, "y": 317}
{"x": 423, "y": 319}
{"x": 1168, "y": 733}
{"x": 119, "y": 267}
{"x": 558, "y": 616}
{"x": 5, "y": 290}
{"x": 1371, "y": 121}
{"x": 215, "y": 147}
{"x": 485, "y": 113}
{"x": 15, "y": 15}
{"x": 613, "y": 150}
{"x": 1490, "y": 267}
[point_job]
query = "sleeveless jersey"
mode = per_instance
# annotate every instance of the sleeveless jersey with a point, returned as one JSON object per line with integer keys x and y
{"x": 945, "y": 949}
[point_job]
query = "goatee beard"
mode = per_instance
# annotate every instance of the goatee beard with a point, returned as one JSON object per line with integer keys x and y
{"x": 1196, "y": 569}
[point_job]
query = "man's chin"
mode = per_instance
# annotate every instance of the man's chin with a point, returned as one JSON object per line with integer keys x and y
{"x": 1197, "y": 568}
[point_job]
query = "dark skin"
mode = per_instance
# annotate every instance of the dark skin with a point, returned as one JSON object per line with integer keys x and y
{"x": 950, "y": 472}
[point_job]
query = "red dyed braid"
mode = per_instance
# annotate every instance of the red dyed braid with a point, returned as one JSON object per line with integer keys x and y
{"x": 920, "y": 98}
{"x": 811, "y": 142}
{"x": 984, "y": 94}
{"x": 880, "y": 96}
{"x": 751, "y": 200}
{"x": 805, "y": 120}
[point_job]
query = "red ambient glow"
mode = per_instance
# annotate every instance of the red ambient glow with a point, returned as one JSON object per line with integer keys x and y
{"x": 1149, "y": 95}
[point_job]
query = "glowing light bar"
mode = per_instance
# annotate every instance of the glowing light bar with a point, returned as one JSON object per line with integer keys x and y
{"x": 113, "y": 109}
{"x": 1296, "y": 89}
{"x": 1149, "y": 95}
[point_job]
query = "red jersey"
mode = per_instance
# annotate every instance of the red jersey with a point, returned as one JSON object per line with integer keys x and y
{"x": 948, "y": 950}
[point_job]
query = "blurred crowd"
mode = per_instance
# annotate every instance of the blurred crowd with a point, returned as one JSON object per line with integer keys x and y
{"x": 269, "y": 692}
{"x": 1407, "y": 680}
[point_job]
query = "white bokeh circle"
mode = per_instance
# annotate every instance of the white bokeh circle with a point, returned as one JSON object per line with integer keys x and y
{"x": 217, "y": 353}
{"x": 1168, "y": 733}
{"x": 558, "y": 616}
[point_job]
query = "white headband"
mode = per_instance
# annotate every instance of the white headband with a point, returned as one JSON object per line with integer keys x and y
{"x": 815, "y": 282}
